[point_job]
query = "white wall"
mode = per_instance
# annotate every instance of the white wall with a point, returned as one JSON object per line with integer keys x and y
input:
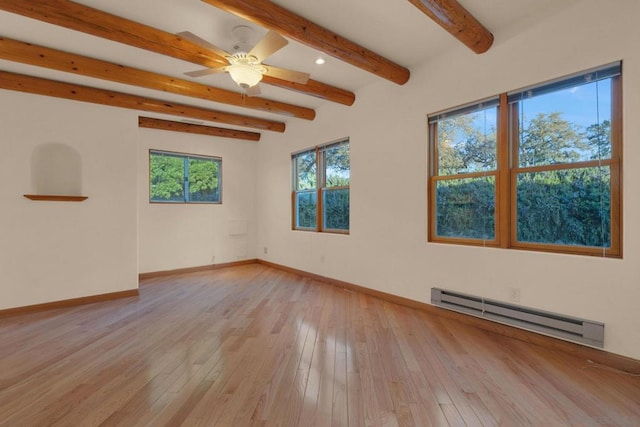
{"x": 181, "y": 236}
{"x": 52, "y": 251}
{"x": 387, "y": 248}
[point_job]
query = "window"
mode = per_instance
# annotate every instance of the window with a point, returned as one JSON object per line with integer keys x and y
{"x": 466, "y": 170}
{"x": 183, "y": 178}
{"x": 320, "y": 196}
{"x": 538, "y": 168}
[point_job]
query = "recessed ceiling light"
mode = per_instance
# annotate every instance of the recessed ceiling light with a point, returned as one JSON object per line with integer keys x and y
{"x": 320, "y": 61}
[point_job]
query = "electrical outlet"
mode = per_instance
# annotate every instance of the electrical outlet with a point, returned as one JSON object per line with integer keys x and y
{"x": 321, "y": 259}
{"x": 514, "y": 295}
{"x": 265, "y": 250}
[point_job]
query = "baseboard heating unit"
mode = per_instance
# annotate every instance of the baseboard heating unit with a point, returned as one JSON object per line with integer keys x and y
{"x": 557, "y": 325}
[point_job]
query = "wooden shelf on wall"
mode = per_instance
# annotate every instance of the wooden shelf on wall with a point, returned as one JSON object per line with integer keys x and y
{"x": 50, "y": 198}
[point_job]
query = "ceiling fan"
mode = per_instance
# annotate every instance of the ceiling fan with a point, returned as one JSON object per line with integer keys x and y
{"x": 246, "y": 68}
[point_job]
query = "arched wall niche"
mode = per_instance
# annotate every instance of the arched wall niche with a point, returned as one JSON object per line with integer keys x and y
{"x": 56, "y": 169}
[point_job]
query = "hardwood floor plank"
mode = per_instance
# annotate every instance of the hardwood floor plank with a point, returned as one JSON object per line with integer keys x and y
{"x": 416, "y": 381}
{"x": 319, "y": 390}
{"x": 255, "y": 346}
{"x": 339, "y": 415}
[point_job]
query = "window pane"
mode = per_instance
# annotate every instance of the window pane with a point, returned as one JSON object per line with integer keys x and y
{"x": 337, "y": 165}
{"x": 467, "y": 143}
{"x": 204, "y": 180}
{"x": 465, "y": 208}
{"x": 566, "y": 207}
{"x": 306, "y": 170}
{"x": 570, "y": 125}
{"x": 167, "y": 178}
{"x": 336, "y": 209}
{"x": 306, "y": 205}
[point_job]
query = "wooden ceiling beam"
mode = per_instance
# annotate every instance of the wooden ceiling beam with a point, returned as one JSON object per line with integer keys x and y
{"x": 314, "y": 88}
{"x": 92, "y": 21}
{"x": 151, "y": 123}
{"x": 26, "y": 53}
{"x": 457, "y": 20}
{"x": 39, "y": 86}
{"x": 277, "y": 18}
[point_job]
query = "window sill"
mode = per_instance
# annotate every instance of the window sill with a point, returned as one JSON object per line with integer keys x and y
{"x": 313, "y": 230}
{"x": 52, "y": 198}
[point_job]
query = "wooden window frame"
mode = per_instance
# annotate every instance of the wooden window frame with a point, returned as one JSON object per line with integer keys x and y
{"x": 506, "y": 177}
{"x": 321, "y": 187}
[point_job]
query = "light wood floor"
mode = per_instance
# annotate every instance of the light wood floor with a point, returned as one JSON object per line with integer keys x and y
{"x": 252, "y": 345}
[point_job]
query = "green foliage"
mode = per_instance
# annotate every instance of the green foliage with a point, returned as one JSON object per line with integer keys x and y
{"x": 306, "y": 209}
{"x": 307, "y": 171}
{"x": 548, "y": 139}
{"x": 203, "y": 180}
{"x": 337, "y": 166}
{"x": 465, "y": 147}
{"x": 569, "y": 207}
{"x": 167, "y": 178}
{"x": 466, "y": 208}
{"x": 335, "y": 206}
{"x": 335, "y": 200}
{"x": 167, "y": 175}
{"x": 598, "y": 137}
{"x": 336, "y": 209}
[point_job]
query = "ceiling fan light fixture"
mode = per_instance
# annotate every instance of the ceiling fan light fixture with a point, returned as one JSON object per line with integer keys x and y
{"x": 244, "y": 75}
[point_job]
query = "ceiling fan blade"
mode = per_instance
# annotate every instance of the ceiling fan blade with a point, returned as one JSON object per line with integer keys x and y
{"x": 270, "y": 44}
{"x": 206, "y": 72}
{"x": 286, "y": 74}
{"x": 187, "y": 35}
{"x": 253, "y": 91}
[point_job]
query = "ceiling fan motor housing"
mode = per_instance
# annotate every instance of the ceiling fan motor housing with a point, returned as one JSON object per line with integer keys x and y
{"x": 244, "y": 36}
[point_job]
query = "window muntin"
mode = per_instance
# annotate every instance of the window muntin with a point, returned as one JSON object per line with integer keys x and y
{"x": 321, "y": 178}
{"x": 183, "y": 178}
{"x": 557, "y": 183}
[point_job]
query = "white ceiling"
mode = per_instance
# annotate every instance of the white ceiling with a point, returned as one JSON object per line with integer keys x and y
{"x": 392, "y": 28}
